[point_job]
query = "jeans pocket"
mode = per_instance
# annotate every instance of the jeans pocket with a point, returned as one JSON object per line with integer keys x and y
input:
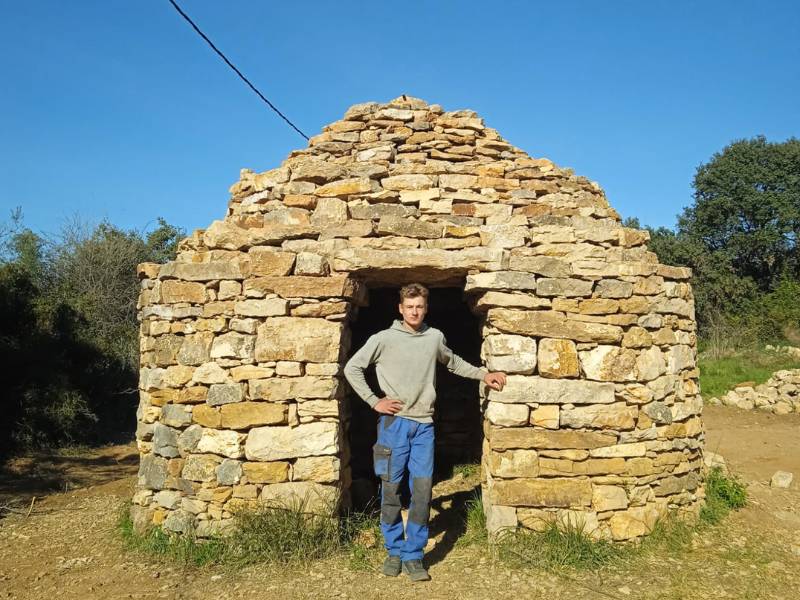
{"x": 382, "y": 457}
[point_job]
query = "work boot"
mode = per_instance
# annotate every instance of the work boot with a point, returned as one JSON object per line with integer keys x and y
{"x": 391, "y": 566}
{"x": 415, "y": 570}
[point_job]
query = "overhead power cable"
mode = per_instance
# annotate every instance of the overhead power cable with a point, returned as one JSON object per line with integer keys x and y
{"x": 232, "y": 66}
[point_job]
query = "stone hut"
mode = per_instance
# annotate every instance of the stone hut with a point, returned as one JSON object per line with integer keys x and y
{"x": 244, "y": 335}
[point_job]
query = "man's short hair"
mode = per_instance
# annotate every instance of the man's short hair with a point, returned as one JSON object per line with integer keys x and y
{"x": 413, "y": 290}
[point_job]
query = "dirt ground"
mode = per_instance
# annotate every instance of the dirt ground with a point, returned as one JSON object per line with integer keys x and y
{"x": 68, "y": 545}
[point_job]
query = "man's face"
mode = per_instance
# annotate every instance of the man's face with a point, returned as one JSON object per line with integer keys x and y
{"x": 413, "y": 311}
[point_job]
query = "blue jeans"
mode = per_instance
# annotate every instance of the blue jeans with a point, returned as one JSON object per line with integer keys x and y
{"x": 404, "y": 446}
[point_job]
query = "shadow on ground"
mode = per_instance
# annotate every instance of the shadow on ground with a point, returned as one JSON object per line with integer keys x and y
{"x": 44, "y": 473}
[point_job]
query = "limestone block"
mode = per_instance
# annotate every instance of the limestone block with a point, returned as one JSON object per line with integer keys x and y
{"x": 659, "y": 413}
{"x": 546, "y": 266}
{"x": 346, "y": 187}
{"x": 532, "y": 389}
{"x": 207, "y": 416}
{"x": 187, "y": 440}
{"x": 221, "y": 441}
{"x": 607, "y": 416}
{"x": 202, "y": 271}
{"x": 609, "y": 497}
{"x": 620, "y": 450}
{"x": 179, "y": 521}
{"x": 310, "y": 496}
{"x": 225, "y": 393}
{"x": 547, "y": 416}
{"x": 291, "y": 388}
{"x": 418, "y": 196}
{"x": 558, "y": 358}
{"x": 244, "y": 372}
{"x": 634, "y": 522}
{"x": 405, "y": 226}
{"x": 564, "y": 493}
{"x": 650, "y": 364}
{"x": 637, "y": 337}
{"x": 499, "y": 518}
{"x": 173, "y": 291}
{"x": 201, "y": 467}
{"x": 305, "y": 286}
{"x": 675, "y": 306}
{"x": 409, "y": 182}
{"x": 507, "y": 415}
{"x": 280, "y": 443}
{"x": 781, "y": 479}
{"x": 609, "y": 363}
{"x": 510, "y": 353}
{"x": 244, "y": 415}
{"x": 229, "y": 472}
{"x": 564, "y": 288}
{"x": 316, "y": 170}
{"x": 298, "y": 339}
{"x": 316, "y": 409}
{"x": 266, "y": 261}
{"x": 321, "y": 309}
{"x": 323, "y": 369}
{"x": 195, "y": 349}
{"x": 596, "y": 306}
{"x": 500, "y": 280}
{"x": 552, "y": 324}
{"x": 166, "y": 349}
{"x": 266, "y": 472}
{"x": 670, "y": 486}
{"x": 355, "y": 259}
{"x": 329, "y": 211}
{"x": 509, "y": 300}
{"x": 209, "y": 373}
{"x": 309, "y": 263}
{"x": 457, "y": 182}
{"x": 503, "y": 236}
{"x": 680, "y": 358}
{"x": 613, "y": 288}
{"x": 268, "y": 307}
{"x": 514, "y": 438}
{"x": 169, "y": 499}
{"x": 514, "y": 463}
{"x": 165, "y": 441}
{"x": 176, "y": 416}
{"x": 322, "y": 469}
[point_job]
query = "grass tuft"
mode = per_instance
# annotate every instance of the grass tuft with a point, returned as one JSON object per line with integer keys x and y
{"x": 562, "y": 545}
{"x": 268, "y": 534}
{"x": 186, "y": 550}
{"x": 723, "y": 494}
{"x": 475, "y": 522}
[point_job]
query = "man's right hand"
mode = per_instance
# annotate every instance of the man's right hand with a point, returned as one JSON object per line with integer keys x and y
{"x": 388, "y": 406}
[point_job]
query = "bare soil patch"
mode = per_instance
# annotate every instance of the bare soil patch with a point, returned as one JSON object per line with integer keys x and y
{"x": 68, "y": 547}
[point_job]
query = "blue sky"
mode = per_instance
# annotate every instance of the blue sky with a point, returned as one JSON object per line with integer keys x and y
{"x": 116, "y": 109}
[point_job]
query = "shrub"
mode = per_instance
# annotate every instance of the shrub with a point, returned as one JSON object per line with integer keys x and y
{"x": 723, "y": 494}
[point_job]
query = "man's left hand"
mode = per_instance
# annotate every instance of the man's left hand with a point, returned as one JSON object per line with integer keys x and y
{"x": 496, "y": 381}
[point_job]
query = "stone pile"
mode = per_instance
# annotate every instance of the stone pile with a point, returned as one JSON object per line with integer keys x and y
{"x": 243, "y": 336}
{"x": 780, "y": 394}
{"x": 792, "y": 351}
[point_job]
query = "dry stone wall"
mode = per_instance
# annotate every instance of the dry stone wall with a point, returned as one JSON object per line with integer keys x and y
{"x": 780, "y": 394}
{"x": 243, "y": 336}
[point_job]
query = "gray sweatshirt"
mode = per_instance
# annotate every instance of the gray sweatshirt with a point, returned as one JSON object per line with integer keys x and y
{"x": 405, "y": 363}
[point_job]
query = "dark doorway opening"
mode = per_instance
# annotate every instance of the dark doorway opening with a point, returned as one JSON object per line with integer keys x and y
{"x": 457, "y": 419}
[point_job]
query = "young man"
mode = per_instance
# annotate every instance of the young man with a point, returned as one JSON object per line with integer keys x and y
{"x": 405, "y": 357}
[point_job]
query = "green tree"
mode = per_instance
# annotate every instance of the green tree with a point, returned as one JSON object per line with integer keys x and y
{"x": 747, "y": 209}
{"x": 68, "y": 329}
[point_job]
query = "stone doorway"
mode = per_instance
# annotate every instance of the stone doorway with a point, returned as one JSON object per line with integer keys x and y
{"x": 458, "y": 418}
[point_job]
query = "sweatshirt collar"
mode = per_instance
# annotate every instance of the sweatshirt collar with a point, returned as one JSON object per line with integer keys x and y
{"x": 398, "y": 325}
